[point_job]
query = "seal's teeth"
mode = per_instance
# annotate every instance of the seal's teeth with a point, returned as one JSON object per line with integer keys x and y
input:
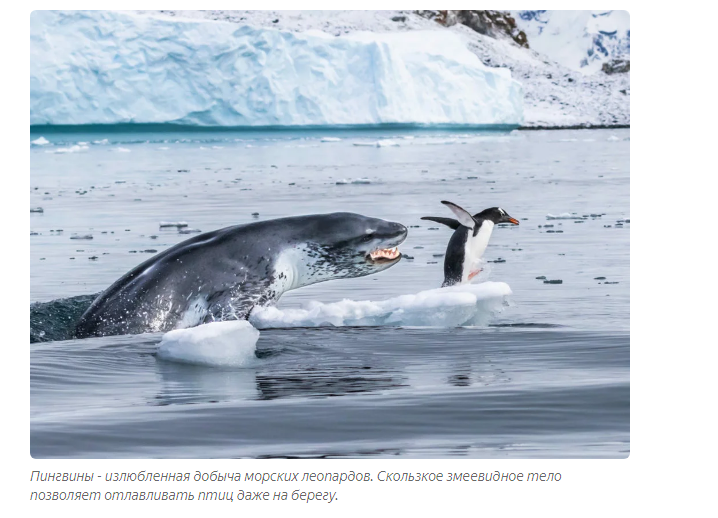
{"x": 386, "y": 253}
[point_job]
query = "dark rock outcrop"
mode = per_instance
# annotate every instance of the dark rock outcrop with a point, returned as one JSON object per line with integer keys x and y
{"x": 490, "y": 23}
{"x": 616, "y": 66}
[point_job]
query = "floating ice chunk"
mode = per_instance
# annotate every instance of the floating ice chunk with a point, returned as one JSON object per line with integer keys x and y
{"x": 102, "y": 142}
{"x": 42, "y": 141}
{"x": 122, "y": 150}
{"x": 175, "y": 224}
{"x": 225, "y": 344}
{"x": 178, "y": 224}
{"x": 77, "y": 148}
{"x": 330, "y": 139}
{"x": 356, "y": 181}
{"x": 386, "y": 143}
{"x": 464, "y": 305}
{"x": 564, "y": 215}
{"x": 378, "y": 143}
{"x": 613, "y": 138}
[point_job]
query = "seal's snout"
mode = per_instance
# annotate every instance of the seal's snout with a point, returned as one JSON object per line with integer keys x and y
{"x": 392, "y": 231}
{"x": 399, "y": 229}
{"x": 392, "y": 235}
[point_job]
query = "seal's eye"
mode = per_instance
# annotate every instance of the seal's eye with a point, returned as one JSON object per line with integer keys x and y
{"x": 367, "y": 238}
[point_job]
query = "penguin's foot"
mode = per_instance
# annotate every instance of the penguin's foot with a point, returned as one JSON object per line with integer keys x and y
{"x": 474, "y": 273}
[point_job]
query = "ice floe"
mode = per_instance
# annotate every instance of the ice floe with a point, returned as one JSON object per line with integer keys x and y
{"x": 224, "y": 344}
{"x": 463, "y": 305}
{"x": 42, "y": 141}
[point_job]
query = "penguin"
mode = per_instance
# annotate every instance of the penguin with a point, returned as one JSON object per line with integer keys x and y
{"x": 470, "y": 239}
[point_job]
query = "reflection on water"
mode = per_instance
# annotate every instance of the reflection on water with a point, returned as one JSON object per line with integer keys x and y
{"x": 310, "y": 383}
{"x": 339, "y": 392}
{"x": 182, "y": 384}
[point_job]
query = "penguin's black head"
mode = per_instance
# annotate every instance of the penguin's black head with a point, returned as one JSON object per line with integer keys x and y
{"x": 496, "y": 215}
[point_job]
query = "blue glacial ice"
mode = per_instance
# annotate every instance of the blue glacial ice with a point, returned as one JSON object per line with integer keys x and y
{"x": 105, "y": 67}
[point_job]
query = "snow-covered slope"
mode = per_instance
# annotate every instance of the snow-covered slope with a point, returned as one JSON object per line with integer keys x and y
{"x": 580, "y": 40}
{"x": 104, "y": 67}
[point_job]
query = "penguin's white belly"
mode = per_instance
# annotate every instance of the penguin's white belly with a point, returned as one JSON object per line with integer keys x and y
{"x": 475, "y": 248}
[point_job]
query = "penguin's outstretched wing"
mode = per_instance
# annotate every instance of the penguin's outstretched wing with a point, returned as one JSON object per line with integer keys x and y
{"x": 462, "y": 215}
{"x": 451, "y": 223}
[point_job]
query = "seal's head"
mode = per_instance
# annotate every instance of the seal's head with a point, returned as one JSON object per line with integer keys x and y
{"x": 344, "y": 244}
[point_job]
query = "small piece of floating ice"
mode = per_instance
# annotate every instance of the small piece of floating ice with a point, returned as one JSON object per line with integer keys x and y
{"x": 330, "y": 139}
{"x": 223, "y": 344}
{"x": 378, "y": 143}
{"x": 564, "y": 215}
{"x": 356, "y": 181}
{"x": 77, "y": 148}
{"x": 42, "y": 141}
{"x": 173, "y": 224}
{"x": 462, "y": 305}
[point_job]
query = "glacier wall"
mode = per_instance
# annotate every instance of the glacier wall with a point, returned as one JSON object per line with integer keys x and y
{"x": 105, "y": 67}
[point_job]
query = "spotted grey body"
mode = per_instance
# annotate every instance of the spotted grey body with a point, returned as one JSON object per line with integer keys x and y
{"x": 469, "y": 241}
{"x": 222, "y": 275}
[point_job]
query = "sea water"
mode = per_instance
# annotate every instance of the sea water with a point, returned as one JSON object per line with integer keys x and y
{"x": 348, "y": 367}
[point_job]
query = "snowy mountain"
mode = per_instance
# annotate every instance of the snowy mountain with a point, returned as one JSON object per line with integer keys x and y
{"x": 580, "y": 40}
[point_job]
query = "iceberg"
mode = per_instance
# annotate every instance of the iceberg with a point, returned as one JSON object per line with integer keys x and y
{"x": 107, "y": 67}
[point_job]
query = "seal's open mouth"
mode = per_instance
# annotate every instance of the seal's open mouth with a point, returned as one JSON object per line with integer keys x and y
{"x": 385, "y": 255}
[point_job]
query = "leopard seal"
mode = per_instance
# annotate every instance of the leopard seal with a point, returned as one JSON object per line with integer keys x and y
{"x": 223, "y": 274}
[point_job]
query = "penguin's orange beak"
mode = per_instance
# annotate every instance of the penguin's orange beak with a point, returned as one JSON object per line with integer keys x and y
{"x": 513, "y": 221}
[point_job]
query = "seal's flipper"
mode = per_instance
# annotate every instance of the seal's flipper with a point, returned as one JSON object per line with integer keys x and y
{"x": 451, "y": 223}
{"x": 464, "y": 217}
